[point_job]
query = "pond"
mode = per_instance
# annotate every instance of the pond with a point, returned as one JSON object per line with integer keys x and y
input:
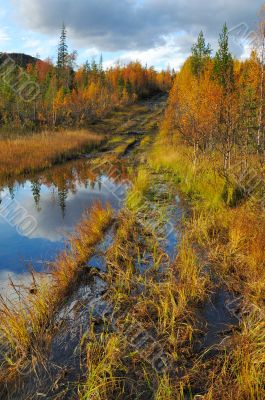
{"x": 38, "y": 213}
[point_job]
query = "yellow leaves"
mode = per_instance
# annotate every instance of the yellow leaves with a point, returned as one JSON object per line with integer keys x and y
{"x": 125, "y": 96}
{"x": 91, "y": 92}
{"x": 194, "y": 100}
{"x": 59, "y": 99}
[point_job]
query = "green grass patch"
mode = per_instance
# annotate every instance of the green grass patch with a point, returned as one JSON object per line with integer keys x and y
{"x": 199, "y": 183}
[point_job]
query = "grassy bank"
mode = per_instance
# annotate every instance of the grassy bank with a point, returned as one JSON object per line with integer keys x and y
{"x": 225, "y": 221}
{"x": 34, "y": 153}
{"x": 221, "y": 250}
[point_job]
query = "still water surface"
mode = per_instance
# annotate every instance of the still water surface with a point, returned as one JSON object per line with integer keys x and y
{"x": 55, "y": 201}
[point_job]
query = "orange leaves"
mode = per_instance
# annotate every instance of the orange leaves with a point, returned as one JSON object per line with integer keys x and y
{"x": 193, "y": 105}
{"x": 205, "y": 114}
{"x": 72, "y": 97}
{"x": 98, "y": 91}
{"x": 43, "y": 68}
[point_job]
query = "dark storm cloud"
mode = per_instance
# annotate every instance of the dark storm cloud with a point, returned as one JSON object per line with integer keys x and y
{"x": 135, "y": 24}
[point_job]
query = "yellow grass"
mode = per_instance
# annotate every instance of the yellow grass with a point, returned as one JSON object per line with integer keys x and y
{"x": 233, "y": 237}
{"x": 199, "y": 182}
{"x": 31, "y": 153}
{"x": 103, "y": 359}
{"x": 152, "y": 302}
{"x": 240, "y": 372}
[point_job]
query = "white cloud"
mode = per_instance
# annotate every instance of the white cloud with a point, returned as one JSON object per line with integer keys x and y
{"x": 169, "y": 54}
{"x": 4, "y": 36}
{"x": 35, "y": 46}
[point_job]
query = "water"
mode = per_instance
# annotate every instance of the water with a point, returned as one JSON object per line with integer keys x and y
{"x": 51, "y": 204}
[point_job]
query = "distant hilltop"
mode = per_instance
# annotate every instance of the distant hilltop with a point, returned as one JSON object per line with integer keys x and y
{"x": 19, "y": 58}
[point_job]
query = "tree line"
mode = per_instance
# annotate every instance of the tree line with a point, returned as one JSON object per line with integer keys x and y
{"x": 68, "y": 95}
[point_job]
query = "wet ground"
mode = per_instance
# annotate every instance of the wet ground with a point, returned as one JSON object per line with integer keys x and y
{"x": 38, "y": 212}
{"x": 57, "y": 199}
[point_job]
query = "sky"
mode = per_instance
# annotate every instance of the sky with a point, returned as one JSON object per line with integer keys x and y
{"x": 156, "y": 32}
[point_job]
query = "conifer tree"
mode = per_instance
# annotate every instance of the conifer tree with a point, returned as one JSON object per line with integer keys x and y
{"x": 223, "y": 62}
{"x": 62, "y": 49}
{"x": 200, "y": 54}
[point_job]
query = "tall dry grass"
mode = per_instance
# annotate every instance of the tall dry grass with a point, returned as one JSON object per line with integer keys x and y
{"x": 103, "y": 354}
{"x": 231, "y": 237}
{"x": 155, "y": 303}
{"x": 31, "y": 153}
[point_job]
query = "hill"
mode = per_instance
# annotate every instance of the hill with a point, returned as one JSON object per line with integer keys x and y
{"x": 19, "y": 58}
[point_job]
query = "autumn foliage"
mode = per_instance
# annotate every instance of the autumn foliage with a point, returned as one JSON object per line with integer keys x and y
{"x": 73, "y": 97}
{"x": 217, "y": 104}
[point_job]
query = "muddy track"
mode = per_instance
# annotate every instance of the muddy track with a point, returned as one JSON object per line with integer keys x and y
{"x": 62, "y": 365}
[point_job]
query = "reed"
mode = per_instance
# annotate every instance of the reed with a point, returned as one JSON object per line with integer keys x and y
{"x": 32, "y": 153}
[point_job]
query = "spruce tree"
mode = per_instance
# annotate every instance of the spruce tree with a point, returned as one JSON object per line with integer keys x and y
{"x": 101, "y": 64}
{"x": 101, "y": 70}
{"x": 223, "y": 62}
{"x": 62, "y": 49}
{"x": 200, "y": 54}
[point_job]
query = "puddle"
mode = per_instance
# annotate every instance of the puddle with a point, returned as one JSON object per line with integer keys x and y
{"x": 218, "y": 319}
{"x": 172, "y": 229}
{"x": 53, "y": 203}
{"x": 98, "y": 260}
{"x": 65, "y": 363}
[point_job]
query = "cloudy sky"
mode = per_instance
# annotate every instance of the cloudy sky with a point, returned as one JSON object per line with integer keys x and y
{"x": 156, "y": 32}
